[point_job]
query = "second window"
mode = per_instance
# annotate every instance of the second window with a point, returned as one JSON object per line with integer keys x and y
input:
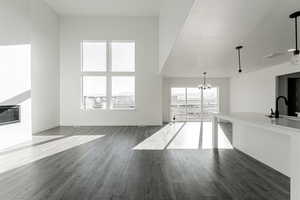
{"x": 108, "y": 75}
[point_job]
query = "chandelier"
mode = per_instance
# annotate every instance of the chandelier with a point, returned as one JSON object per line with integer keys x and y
{"x": 204, "y": 85}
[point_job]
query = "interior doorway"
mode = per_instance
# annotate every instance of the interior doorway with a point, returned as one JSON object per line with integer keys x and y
{"x": 193, "y": 104}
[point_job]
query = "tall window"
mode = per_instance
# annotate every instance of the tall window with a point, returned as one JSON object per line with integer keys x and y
{"x": 108, "y": 75}
{"x": 189, "y": 104}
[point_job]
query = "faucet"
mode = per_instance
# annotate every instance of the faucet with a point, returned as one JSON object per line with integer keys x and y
{"x": 277, "y": 100}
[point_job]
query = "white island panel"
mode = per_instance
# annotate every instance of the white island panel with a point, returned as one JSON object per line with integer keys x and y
{"x": 266, "y": 146}
{"x": 275, "y": 142}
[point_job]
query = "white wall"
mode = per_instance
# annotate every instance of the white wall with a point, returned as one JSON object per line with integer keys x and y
{"x": 168, "y": 83}
{"x": 144, "y": 30}
{"x": 173, "y": 14}
{"x": 15, "y": 83}
{"x": 256, "y": 91}
{"x": 45, "y": 66}
{"x": 14, "y": 22}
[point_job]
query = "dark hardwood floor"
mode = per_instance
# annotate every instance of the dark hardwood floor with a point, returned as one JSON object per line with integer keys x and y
{"x": 108, "y": 169}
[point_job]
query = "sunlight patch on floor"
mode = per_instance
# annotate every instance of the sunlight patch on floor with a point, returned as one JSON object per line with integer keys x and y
{"x": 223, "y": 141}
{"x": 18, "y": 158}
{"x": 207, "y": 141}
{"x": 160, "y": 139}
{"x": 188, "y": 137}
{"x": 36, "y": 139}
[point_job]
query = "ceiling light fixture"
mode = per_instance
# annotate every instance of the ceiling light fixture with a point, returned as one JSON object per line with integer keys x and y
{"x": 295, "y": 16}
{"x": 296, "y": 58}
{"x": 204, "y": 85}
{"x": 238, "y": 48}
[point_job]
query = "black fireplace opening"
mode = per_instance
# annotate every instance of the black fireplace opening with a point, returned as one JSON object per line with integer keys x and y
{"x": 9, "y": 114}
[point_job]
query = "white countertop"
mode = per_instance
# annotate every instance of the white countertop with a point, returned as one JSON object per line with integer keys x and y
{"x": 281, "y": 125}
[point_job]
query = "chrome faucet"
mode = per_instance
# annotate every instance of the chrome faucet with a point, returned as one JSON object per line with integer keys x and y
{"x": 277, "y": 100}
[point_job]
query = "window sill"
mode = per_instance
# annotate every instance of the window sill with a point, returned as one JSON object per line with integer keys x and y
{"x": 122, "y": 109}
{"x": 107, "y": 110}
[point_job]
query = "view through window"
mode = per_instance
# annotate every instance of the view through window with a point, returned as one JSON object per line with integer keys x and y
{"x": 108, "y": 75}
{"x": 122, "y": 92}
{"x": 193, "y": 104}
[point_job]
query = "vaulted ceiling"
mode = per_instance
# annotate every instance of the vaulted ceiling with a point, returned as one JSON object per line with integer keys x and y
{"x": 213, "y": 29}
{"x": 106, "y": 7}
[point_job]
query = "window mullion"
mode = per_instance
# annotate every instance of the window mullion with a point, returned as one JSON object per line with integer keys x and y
{"x": 202, "y": 100}
{"x": 109, "y": 80}
{"x": 186, "y": 113}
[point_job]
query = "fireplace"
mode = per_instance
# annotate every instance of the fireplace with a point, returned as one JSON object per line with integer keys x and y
{"x": 9, "y": 114}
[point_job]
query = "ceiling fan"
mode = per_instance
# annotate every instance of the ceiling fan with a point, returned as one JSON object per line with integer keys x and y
{"x": 295, "y": 52}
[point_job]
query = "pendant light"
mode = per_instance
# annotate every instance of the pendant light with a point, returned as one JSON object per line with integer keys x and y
{"x": 295, "y": 16}
{"x": 238, "y": 48}
{"x": 296, "y": 52}
{"x": 204, "y": 85}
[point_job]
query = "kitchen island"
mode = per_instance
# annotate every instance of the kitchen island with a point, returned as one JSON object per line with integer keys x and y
{"x": 274, "y": 142}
